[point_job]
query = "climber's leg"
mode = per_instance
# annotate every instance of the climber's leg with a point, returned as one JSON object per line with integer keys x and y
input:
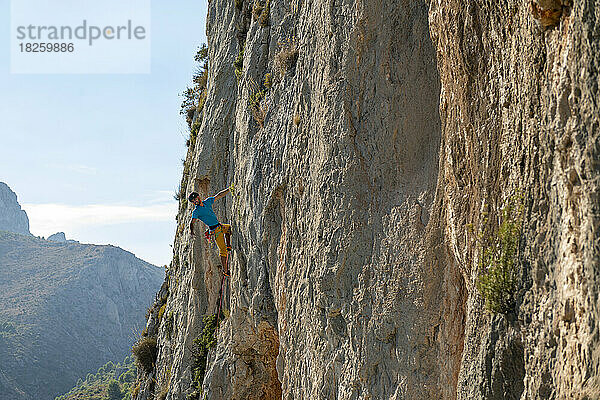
{"x": 227, "y": 232}
{"x": 220, "y": 240}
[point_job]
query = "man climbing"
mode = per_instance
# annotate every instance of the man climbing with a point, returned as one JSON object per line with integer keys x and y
{"x": 205, "y": 213}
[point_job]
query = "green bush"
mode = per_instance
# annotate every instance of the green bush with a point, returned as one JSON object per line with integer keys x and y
{"x": 193, "y": 97}
{"x": 238, "y": 64}
{"x": 202, "y": 344}
{"x": 161, "y": 312}
{"x": 114, "y": 390}
{"x": 255, "y": 97}
{"x": 263, "y": 20}
{"x": 195, "y": 127}
{"x": 257, "y": 9}
{"x": 261, "y": 12}
{"x": 268, "y": 82}
{"x": 145, "y": 351}
{"x": 169, "y": 324}
{"x": 498, "y": 257}
{"x": 188, "y": 106}
{"x": 255, "y": 104}
{"x": 112, "y": 381}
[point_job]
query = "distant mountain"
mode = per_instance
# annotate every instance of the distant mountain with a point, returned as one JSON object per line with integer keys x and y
{"x": 65, "y": 310}
{"x": 12, "y": 217}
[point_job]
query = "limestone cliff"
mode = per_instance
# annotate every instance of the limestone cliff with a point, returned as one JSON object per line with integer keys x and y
{"x": 519, "y": 106}
{"x": 363, "y": 138}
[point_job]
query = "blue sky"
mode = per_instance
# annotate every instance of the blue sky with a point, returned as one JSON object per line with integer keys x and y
{"x": 99, "y": 156}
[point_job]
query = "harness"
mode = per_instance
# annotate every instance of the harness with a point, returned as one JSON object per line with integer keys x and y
{"x": 211, "y": 233}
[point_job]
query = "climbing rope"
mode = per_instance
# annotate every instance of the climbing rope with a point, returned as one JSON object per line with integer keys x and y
{"x": 220, "y": 306}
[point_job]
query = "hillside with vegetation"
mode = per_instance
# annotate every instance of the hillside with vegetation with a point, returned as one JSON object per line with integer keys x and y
{"x": 67, "y": 309}
{"x": 111, "y": 382}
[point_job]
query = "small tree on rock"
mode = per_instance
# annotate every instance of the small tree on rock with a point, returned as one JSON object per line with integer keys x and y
{"x": 114, "y": 390}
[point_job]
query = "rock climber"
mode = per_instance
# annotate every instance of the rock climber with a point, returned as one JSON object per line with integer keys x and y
{"x": 221, "y": 232}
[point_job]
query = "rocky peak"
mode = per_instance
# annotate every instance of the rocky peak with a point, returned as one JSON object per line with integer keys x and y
{"x": 58, "y": 237}
{"x": 12, "y": 217}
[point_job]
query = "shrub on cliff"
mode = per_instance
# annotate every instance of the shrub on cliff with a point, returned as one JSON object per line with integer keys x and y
{"x": 268, "y": 82}
{"x": 169, "y": 324}
{"x": 264, "y": 16}
{"x": 261, "y": 12}
{"x": 255, "y": 102}
{"x": 161, "y": 312}
{"x": 285, "y": 59}
{"x": 498, "y": 257}
{"x": 238, "y": 64}
{"x": 193, "y": 97}
{"x": 145, "y": 351}
{"x": 257, "y": 9}
{"x": 202, "y": 344}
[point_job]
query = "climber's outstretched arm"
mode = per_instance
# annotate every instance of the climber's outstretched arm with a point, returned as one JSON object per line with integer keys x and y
{"x": 222, "y": 193}
{"x": 192, "y": 226}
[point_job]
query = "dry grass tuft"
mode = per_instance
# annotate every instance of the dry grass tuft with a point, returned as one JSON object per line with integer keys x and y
{"x": 285, "y": 59}
{"x": 256, "y": 104}
{"x": 145, "y": 352}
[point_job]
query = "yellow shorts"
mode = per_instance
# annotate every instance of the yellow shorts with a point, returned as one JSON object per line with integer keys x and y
{"x": 219, "y": 233}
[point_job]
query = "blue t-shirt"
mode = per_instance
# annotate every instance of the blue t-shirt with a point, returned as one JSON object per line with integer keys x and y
{"x": 205, "y": 213}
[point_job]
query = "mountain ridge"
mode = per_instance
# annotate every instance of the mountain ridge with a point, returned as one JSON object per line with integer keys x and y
{"x": 67, "y": 308}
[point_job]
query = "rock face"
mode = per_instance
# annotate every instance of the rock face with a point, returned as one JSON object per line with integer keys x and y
{"x": 332, "y": 202}
{"x": 353, "y": 271}
{"x": 67, "y": 309}
{"x": 520, "y": 110}
{"x": 12, "y": 218}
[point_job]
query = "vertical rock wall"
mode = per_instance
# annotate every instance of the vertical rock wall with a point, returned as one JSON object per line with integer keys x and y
{"x": 353, "y": 271}
{"x": 332, "y": 203}
{"x": 519, "y": 110}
